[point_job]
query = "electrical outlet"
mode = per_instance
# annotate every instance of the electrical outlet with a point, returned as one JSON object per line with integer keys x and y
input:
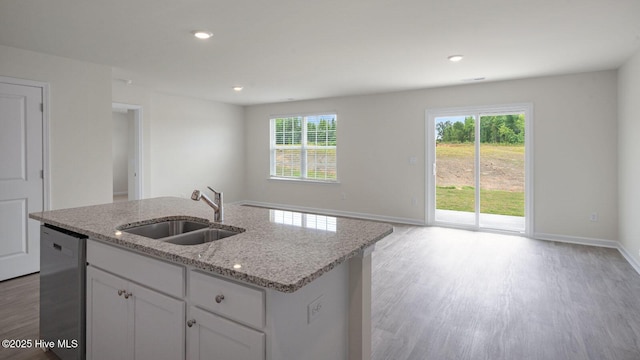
{"x": 594, "y": 217}
{"x": 314, "y": 309}
{"x": 414, "y": 201}
{"x": 344, "y": 196}
{"x": 413, "y": 160}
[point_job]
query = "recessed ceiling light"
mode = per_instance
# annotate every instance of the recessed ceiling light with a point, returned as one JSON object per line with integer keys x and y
{"x": 237, "y": 88}
{"x": 455, "y": 58}
{"x": 202, "y": 34}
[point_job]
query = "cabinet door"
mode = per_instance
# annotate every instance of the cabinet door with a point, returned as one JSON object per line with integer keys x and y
{"x": 108, "y": 324}
{"x": 213, "y": 337}
{"x": 159, "y": 325}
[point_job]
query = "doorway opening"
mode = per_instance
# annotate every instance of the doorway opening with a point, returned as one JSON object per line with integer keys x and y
{"x": 479, "y": 168}
{"x": 127, "y": 150}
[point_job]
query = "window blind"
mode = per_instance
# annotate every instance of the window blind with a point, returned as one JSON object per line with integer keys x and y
{"x": 304, "y": 147}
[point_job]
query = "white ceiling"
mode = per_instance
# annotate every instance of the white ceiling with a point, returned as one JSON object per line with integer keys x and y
{"x": 302, "y": 49}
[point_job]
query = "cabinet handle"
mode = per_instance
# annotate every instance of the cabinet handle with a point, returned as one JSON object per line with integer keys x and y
{"x": 120, "y": 292}
{"x": 191, "y": 322}
{"x": 219, "y": 298}
{"x": 127, "y": 295}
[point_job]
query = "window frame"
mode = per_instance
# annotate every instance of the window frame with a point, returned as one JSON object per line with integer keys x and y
{"x": 304, "y": 147}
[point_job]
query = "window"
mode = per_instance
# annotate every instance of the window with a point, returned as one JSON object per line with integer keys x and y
{"x": 304, "y": 147}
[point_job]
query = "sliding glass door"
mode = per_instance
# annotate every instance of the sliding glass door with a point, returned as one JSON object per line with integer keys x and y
{"x": 502, "y": 171}
{"x": 477, "y": 167}
{"x": 455, "y": 169}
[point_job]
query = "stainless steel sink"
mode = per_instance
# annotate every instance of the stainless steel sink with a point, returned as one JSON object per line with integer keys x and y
{"x": 165, "y": 229}
{"x": 200, "y": 237}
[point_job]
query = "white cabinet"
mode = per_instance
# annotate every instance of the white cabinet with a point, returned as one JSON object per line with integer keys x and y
{"x": 107, "y": 317}
{"x": 129, "y": 321}
{"x": 213, "y": 337}
{"x": 221, "y": 332}
{"x": 182, "y": 312}
{"x": 232, "y": 300}
{"x": 159, "y": 330}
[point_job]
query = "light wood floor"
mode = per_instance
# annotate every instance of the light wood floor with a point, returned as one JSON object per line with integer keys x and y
{"x": 20, "y": 316}
{"x": 451, "y": 294}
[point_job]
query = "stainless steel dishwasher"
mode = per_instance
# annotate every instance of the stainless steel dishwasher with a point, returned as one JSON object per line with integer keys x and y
{"x": 62, "y": 291}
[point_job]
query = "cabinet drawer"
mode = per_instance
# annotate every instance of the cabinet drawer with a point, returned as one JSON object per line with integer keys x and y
{"x": 153, "y": 273}
{"x": 240, "y": 302}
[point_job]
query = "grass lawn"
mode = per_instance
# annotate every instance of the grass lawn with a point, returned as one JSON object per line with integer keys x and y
{"x": 501, "y": 175}
{"x": 467, "y": 149}
{"x": 491, "y": 201}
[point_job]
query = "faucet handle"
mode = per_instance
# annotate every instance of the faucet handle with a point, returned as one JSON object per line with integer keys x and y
{"x": 219, "y": 201}
{"x": 196, "y": 195}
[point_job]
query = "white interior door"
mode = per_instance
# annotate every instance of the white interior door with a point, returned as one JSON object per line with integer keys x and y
{"x": 21, "y": 183}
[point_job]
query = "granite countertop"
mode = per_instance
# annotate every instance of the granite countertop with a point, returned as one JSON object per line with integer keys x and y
{"x": 282, "y": 250}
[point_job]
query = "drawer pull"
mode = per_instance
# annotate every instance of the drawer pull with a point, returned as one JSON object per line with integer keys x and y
{"x": 127, "y": 295}
{"x": 191, "y": 322}
{"x": 219, "y": 298}
{"x": 120, "y": 292}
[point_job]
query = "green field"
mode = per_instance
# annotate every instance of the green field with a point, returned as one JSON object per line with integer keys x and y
{"x": 502, "y": 178}
{"x": 491, "y": 201}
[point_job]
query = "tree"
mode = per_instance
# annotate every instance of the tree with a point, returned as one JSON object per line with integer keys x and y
{"x": 469, "y": 129}
{"x": 321, "y": 131}
{"x": 493, "y": 129}
{"x": 288, "y": 131}
{"x": 440, "y": 129}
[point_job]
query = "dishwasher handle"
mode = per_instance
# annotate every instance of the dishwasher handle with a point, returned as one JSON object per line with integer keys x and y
{"x": 63, "y": 250}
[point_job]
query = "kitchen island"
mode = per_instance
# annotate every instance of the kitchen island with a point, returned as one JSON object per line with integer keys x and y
{"x": 287, "y": 286}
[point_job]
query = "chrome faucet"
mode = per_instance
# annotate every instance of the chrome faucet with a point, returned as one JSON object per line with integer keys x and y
{"x": 216, "y": 203}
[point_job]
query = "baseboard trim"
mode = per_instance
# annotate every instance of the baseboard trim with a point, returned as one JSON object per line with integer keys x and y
{"x": 350, "y": 214}
{"x": 627, "y": 255}
{"x": 592, "y": 242}
{"x": 577, "y": 240}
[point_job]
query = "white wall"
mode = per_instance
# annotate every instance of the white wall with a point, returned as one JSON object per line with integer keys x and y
{"x": 80, "y": 123}
{"x": 188, "y": 143}
{"x": 120, "y": 151}
{"x": 195, "y": 143}
{"x": 629, "y": 154}
{"x": 575, "y": 151}
{"x": 202, "y": 140}
{"x": 136, "y": 95}
{"x": 576, "y": 169}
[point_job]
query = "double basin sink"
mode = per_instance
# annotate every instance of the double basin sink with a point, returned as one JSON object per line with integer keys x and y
{"x": 180, "y": 232}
